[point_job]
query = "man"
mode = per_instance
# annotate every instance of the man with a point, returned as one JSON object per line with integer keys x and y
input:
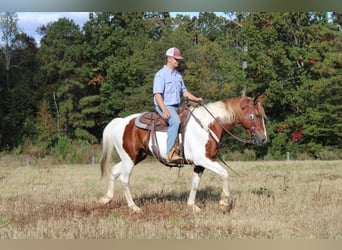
{"x": 168, "y": 86}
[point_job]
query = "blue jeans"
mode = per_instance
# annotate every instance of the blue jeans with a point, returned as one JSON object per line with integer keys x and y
{"x": 172, "y": 130}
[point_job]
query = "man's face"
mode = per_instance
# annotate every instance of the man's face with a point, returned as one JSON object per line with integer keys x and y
{"x": 173, "y": 62}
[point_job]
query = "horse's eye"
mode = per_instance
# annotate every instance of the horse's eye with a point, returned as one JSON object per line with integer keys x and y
{"x": 251, "y": 116}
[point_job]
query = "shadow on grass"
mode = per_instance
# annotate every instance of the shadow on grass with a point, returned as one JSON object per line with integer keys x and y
{"x": 202, "y": 196}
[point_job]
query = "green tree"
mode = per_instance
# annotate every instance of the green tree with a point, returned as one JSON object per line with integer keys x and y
{"x": 121, "y": 49}
{"x": 18, "y": 98}
{"x": 61, "y": 70}
{"x": 293, "y": 57}
{"x": 323, "y": 108}
{"x": 47, "y": 133}
{"x": 78, "y": 80}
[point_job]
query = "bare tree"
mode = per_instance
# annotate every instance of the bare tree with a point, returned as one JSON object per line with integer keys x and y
{"x": 8, "y": 32}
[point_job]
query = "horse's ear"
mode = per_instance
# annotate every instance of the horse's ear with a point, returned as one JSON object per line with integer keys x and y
{"x": 244, "y": 103}
{"x": 258, "y": 98}
{"x": 255, "y": 100}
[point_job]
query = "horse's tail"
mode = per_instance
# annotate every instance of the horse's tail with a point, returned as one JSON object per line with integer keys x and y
{"x": 107, "y": 146}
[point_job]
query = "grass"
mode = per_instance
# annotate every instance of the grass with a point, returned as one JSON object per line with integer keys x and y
{"x": 277, "y": 200}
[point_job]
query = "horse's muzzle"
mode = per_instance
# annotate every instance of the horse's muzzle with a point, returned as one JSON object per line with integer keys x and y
{"x": 259, "y": 140}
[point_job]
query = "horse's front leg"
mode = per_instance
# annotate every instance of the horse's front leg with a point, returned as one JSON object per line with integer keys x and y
{"x": 196, "y": 179}
{"x": 225, "y": 204}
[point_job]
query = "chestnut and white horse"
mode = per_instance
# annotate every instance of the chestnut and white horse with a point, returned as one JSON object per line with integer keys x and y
{"x": 205, "y": 129}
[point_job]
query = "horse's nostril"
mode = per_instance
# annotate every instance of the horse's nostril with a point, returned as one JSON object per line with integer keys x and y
{"x": 259, "y": 140}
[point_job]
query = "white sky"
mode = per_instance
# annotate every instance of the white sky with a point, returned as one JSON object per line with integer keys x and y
{"x": 28, "y": 22}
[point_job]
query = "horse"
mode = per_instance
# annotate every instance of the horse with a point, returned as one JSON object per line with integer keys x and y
{"x": 204, "y": 130}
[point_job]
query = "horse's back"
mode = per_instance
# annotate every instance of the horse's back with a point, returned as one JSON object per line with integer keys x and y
{"x": 115, "y": 128}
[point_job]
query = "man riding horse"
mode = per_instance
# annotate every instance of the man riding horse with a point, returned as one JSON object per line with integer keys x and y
{"x": 168, "y": 86}
{"x": 200, "y": 139}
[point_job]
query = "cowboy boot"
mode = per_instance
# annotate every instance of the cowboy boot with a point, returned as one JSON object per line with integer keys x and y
{"x": 173, "y": 157}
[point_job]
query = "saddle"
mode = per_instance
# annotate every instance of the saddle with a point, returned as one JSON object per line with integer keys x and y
{"x": 148, "y": 119}
{"x": 153, "y": 122}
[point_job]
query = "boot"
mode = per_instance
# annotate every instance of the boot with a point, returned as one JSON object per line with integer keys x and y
{"x": 173, "y": 157}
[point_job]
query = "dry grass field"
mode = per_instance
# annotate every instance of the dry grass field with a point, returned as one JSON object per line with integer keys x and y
{"x": 272, "y": 200}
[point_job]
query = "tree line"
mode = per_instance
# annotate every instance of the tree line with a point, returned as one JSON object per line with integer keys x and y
{"x": 79, "y": 78}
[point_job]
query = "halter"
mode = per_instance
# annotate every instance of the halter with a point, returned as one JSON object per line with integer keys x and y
{"x": 250, "y": 117}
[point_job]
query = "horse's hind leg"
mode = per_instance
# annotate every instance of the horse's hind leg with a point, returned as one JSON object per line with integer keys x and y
{"x": 114, "y": 173}
{"x": 123, "y": 171}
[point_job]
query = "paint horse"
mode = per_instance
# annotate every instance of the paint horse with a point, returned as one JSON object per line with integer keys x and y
{"x": 201, "y": 138}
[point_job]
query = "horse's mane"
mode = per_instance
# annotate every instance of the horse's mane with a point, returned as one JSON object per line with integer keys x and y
{"x": 219, "y": 109}
{"x": 225, "y": 110}
{"x": 234, "y": 104}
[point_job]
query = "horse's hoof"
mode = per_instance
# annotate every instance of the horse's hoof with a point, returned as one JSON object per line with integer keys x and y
{"x": 195, "y": 209}
{"x": 225, "y": 208}
{"x": 104, "y": 200}
{"x": 136, "y": 209}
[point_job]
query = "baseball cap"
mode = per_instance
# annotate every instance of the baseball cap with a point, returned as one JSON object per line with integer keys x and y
{"x": 174, "y": 52}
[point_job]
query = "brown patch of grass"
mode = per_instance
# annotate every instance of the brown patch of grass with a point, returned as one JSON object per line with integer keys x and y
{"x": 270, "y": 200}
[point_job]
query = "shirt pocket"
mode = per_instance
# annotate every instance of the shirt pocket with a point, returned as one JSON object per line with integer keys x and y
{"x": 170, "y": 86}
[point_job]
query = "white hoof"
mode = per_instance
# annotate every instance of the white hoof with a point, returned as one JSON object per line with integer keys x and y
{"x": 196, "y": 209}
{"x": 135, "y": 209}
{"x": 225, "y": 207}
{"x": 104, "y": 200}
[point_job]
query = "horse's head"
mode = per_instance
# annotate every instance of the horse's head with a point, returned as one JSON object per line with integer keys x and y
{"x": 252, "y": 118}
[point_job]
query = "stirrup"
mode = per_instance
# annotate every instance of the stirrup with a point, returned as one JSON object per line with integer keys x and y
{"x": 174, "y": 157}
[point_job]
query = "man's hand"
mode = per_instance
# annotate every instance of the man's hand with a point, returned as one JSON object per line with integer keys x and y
{"x": 199, "y": 99}
{"x": 166, "y": 114}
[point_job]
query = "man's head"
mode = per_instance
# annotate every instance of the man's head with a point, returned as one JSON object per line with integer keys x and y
{"x": 175, "y": 53}
{"x": 173, "y": 56}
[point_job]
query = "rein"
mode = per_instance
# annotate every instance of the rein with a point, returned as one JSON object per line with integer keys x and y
{"x": 249, "y": 141}
{"x": 215, "y": 136}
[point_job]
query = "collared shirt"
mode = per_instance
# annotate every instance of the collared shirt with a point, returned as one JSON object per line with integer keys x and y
{"x": 170, "y": 85}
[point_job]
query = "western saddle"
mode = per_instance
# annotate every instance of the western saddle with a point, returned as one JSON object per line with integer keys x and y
{"x": 153, "y": 122}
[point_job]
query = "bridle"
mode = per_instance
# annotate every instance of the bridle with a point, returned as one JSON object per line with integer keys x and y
{"x": 250, "y": 140}
{"x": 252, "y": 127}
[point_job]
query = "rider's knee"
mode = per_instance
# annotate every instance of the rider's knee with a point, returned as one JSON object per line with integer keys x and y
{"x": 174, "y": 120}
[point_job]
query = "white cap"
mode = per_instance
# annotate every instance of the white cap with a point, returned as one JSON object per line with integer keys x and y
{"x": 174, "y": 52}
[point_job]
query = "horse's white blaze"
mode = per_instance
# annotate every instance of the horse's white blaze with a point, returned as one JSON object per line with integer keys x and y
{"x": 264, "y": 127}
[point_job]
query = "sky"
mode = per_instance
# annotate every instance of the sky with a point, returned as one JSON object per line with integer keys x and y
{"x": 28, "y": 22}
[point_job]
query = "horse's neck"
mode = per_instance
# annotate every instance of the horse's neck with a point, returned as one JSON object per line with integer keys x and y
{"x": 228, "y": 122}
{"x": 219, "y": 127}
